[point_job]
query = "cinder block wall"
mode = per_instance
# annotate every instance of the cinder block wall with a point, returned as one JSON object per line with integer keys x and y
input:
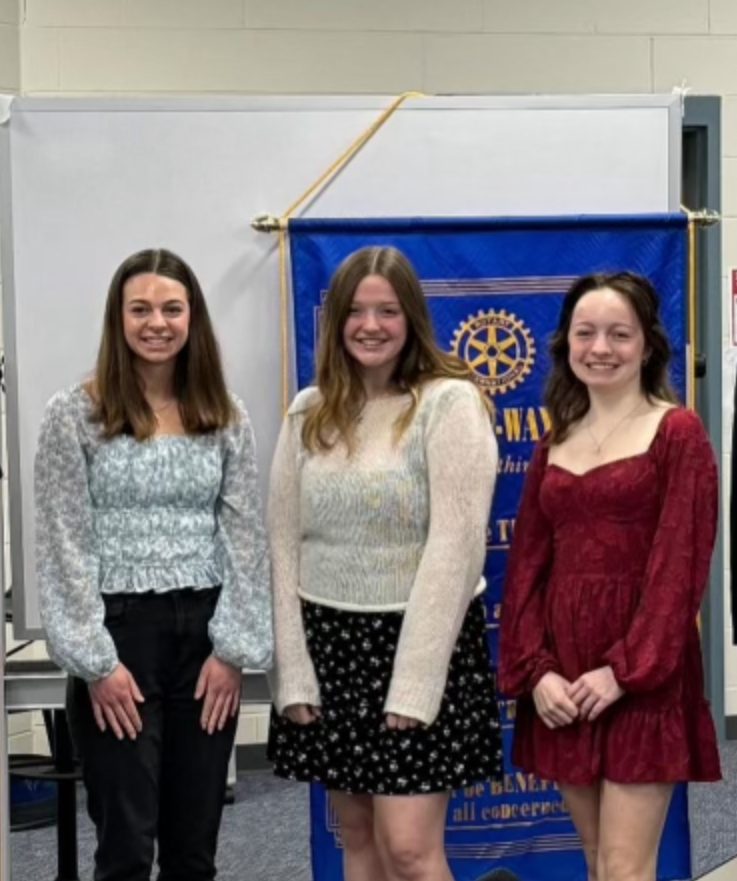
{"x": 388, "y": 46}
{"x": 10, "y": 14}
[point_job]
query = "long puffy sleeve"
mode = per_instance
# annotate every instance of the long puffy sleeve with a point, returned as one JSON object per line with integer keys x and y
{"x": 461, "y": 457}
{"x": 678, "y": 565}
{"x": 72, "y": 611}
{"x": 293, "y": 680}
{"x": 241, "y": 628}
{"x": 524, "y": 654}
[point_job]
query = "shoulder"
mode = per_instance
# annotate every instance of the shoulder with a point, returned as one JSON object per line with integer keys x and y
{"x": 70, "y": 406}
{"x": 239, "y": 431}
{"x": 304, "y": 400}
{"x": 239, "y": 408}
{"x": 73, "y": 398}
{"x": 67, "y": 428}
{"x": 681, "y": 434}
{"x": 455, "y": 410}
{"x": 445, "y": 393}
{"x": 680, "y": 424}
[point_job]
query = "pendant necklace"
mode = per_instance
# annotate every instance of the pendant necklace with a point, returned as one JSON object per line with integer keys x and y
{"x": 598, "y": 444}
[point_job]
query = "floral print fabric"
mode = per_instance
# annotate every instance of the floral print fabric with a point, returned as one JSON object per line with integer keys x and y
{"x": 123, "y": 516}
{"x": 351, "y": 749}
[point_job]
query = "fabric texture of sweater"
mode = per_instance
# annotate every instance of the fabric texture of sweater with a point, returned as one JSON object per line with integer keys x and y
{"x": 123, "y": 516}
{"x": 394, "y": 525}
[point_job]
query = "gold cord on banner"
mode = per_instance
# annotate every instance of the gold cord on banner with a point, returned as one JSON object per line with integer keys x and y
{"x": 269, "y": 224}
{"x": 284, "y": 319}
{"x": 692, "y": 335}
{"x": 704, "y": 217}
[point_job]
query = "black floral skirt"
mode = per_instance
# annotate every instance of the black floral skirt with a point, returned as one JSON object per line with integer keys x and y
{"x": 351, "y": 749}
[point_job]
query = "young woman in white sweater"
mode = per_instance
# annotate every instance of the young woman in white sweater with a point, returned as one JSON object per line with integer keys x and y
{"x": 379, "y": 503}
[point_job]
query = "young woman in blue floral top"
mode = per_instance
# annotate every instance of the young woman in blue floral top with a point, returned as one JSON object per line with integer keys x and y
{"x": 153, "y": 571}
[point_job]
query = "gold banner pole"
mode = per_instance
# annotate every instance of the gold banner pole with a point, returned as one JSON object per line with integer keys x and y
{"x": 692, "y": 331}
{"x": 702, "y": 218}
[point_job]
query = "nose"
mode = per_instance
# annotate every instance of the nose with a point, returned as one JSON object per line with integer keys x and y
{"x": 601, "y": 344}
{"x": 370, "y": 321}
{"x": 156, "y": 319}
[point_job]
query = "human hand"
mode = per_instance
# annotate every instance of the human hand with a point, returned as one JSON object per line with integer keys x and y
{"x": 552, "y": 701}
{"x": 220, "y": 685}
{"x": 114, "y": 699}
{"x": 302, "y": 714}
{"x": 594, "y": 692}
{"x": 396, "y": 722}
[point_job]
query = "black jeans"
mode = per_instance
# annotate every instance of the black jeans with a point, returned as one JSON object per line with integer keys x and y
{"x": 168, "y": 784}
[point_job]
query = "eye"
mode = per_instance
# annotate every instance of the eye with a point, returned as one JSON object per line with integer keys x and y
{"x": 175, "y": 309}
{"x": 621, "y": 335}
{"x": 138, "y": 309}
{"x": 582, "y": 334}
{"x": 390, "y": 312}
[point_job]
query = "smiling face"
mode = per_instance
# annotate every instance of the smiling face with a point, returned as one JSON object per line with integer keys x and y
{"x": 606, "y": 344}
{"x": 375, "y": 331}
{"x": 156, "y": 317}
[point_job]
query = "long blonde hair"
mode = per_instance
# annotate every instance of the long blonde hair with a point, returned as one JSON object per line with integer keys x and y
{"x": 342, "y": 395}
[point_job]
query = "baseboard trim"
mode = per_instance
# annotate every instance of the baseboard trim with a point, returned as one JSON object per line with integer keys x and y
{"x": 252, "y": 757}
{"x": 731, "y": 727}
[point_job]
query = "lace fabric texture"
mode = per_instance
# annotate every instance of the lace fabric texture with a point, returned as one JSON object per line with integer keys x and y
{"x": 609, "y": 567}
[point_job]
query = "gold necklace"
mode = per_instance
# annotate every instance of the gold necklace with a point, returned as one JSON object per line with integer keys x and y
{"x": 598, "y": 444}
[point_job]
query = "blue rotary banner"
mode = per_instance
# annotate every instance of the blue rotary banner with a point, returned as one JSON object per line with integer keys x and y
{"x": 494, "y": 287}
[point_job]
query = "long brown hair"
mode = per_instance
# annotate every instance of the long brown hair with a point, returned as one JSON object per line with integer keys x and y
{"x": 119, "y": 403}
{"x": 566, "y": 396}
{"x": 342, "y": 394}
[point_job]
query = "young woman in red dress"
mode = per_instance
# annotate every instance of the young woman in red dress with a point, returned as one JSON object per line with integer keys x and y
{"x": 611, "y": 554}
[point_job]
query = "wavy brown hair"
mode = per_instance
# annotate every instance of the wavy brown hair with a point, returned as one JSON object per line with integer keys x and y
{"x": 120, "y": 405}
{"x": 342, "y": 395}
{"x": 566, "y": 397}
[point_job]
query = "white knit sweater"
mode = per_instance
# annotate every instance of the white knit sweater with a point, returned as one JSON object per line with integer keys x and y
{"x": 394, "y": 526}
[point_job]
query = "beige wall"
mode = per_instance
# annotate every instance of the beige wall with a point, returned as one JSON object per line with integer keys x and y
{"x": 386, "y": 46}
{"x": 382, "y": 46}
{"x": 10, "y": 45}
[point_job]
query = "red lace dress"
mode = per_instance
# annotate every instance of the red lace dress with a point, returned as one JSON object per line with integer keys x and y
{"x": 609, "y": 567}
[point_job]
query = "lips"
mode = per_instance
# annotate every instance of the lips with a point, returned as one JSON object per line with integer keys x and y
{"x": 371, "y": 344}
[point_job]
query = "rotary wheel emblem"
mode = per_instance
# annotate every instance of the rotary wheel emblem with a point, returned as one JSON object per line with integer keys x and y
{"x": 499, "y": 349}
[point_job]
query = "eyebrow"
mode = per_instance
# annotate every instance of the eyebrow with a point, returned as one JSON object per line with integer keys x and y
{"x": 585, "y": 321}
{"x": 141, "y": 302}
{"x": 381, "y": 304}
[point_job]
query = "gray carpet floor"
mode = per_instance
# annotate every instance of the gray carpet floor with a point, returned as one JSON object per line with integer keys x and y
{"x": 265, "y": 834}
{"x": 713, "y": 810}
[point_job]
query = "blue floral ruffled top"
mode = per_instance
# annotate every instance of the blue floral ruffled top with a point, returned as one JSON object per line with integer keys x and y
{"x": 123, "y": 516}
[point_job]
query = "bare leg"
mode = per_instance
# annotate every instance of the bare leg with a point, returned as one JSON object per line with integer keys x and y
{"x": 361, "y": 860}
{"x": 583, "y": 802}
{"x": 410, "y": 834}
{"x": 631, "y": 822}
